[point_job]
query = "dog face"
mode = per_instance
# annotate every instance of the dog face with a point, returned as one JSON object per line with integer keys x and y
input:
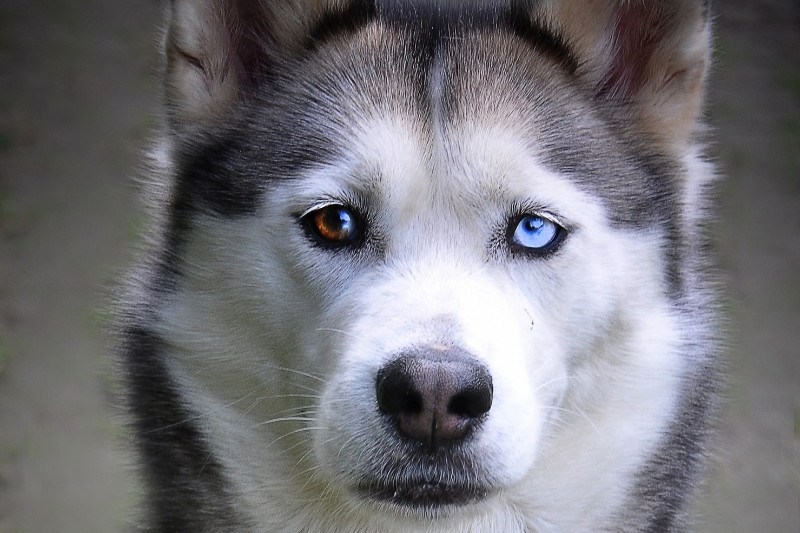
{"x": 420, "y": 250}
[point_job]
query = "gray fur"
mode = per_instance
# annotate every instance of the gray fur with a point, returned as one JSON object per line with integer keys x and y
{"x": 291, "y": 105}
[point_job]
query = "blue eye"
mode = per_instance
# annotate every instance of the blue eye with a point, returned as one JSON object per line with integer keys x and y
{"x": 536, "y": 233}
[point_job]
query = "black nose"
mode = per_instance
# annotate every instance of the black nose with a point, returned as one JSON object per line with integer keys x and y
{"x": 433, "y": 396}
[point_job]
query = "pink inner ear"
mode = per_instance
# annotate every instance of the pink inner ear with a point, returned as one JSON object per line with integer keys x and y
{"x": 248, "y": 36}
{"x": 635, "y": 37}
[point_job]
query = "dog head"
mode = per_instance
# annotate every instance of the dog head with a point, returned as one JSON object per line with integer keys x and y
{"x": 418, "y": 243}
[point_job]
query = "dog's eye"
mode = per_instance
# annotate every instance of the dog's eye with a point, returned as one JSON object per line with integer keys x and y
{"x": 536, "y": 234}
{"x": 334, "y": 225}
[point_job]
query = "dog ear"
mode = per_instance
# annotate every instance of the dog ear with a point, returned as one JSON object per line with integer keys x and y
{"x": 650, "y": 56}
{"x": 216, "y": 49}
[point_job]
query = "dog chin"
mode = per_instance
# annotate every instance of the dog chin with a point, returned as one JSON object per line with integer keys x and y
{"x": 422, "y": 497}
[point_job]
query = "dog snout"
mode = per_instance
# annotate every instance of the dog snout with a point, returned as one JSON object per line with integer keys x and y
{"x": 434, "y": 396}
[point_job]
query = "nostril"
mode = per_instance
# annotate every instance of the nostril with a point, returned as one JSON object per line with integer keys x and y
{"x": 396, "y": 391}
{"x": 472, "y": 402}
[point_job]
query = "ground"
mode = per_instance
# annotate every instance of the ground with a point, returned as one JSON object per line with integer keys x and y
{"x": 77, "y": 98}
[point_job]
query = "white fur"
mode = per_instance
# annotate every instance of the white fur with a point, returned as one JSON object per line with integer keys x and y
{"x": 278, "y": 349}
{"x": 275, "y": 342}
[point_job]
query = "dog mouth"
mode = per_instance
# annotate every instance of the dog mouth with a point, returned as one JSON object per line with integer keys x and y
{"x": 424, "y": 495}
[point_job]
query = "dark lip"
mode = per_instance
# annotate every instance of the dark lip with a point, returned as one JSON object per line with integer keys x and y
{"x": 422, "y": 495}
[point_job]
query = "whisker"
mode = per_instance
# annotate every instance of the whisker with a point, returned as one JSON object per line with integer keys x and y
{"x": 294, "y": 432}
{"x": 297, "y": 372}
{"x": 343, "y": 332}
{"x": 282, "y": 419}
{"x": 550, "y": 382}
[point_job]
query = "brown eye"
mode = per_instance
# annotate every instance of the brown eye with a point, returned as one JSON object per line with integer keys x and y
{"x": 334, "y": 225}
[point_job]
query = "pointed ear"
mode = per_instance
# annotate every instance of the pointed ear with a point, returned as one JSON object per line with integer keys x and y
{"x": 216, "y": 49}
{"x": 649, "y": 55}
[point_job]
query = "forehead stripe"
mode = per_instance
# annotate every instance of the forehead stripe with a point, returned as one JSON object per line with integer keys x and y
{"x": 437, "y": 19}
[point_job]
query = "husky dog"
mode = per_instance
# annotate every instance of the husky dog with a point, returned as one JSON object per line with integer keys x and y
{"x": 435, "y": 267}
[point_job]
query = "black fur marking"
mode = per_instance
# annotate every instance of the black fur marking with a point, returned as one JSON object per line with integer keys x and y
{"x": 342, "y": 22}
{"x": 542, "y": 38}
{"x": 208, "y": 180}
{"x": 639, "y": 186}
{"x": 516, "y": 19}
{"x": 181, "y": 473}
{"x": 658, "y": 499}
{"x": 436, "y": 20}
